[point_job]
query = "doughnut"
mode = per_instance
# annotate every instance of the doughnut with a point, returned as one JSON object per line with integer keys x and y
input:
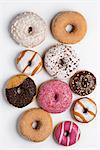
{"x": 35, "y": 125}
{"x": 84, "y": 110}
{"x": 61, "y": 61}
{"x": 82, "y": 83}
{"x": 29, "y": 62}
{"x": 54, "y": 96}
{"x": 66, "y": 133}
{"x": 28, "y": 29}
{"x": 68, "y": 27}
{"x": 20, "y": 90}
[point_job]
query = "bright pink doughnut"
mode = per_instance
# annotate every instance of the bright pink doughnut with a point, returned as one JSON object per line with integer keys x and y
{"x": 66, "y": 133}
{"x": 54, "y": 96}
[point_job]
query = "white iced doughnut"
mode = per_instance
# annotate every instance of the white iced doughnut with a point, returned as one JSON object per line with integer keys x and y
{"x": 61, "y": 61}
{"x": 84, "y": 110}
{"x": 29, "y": 62}
{"x": 28, "y": 29}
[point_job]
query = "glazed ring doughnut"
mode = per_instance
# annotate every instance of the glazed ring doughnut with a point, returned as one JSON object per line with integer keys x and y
{"x": 61, "y": 61}
{"x": 67, "y": 133}
{"x": 20, "y": 90}
{"x": 84, "y": 110}
{"x": 28, "y": 29}
{"x": 54, "y": 96}
{"x": 82, "y": 83}
{"x": 69, "y": 27}
{"x": 35, "y": 125}
{"x": 29, "y": 62}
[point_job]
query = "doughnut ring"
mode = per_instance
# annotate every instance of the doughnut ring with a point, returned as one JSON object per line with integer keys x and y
{"x": 20, "y": 90}
{"x": 61, "y": 61}
{"x": 66, "y": 133}
{"x": 28, "y": 29}
{"x": 54, "y": 96}
{"x": 69, "y": 27}
{"x": 35, "y": 125}
{"x": 82, "y": 83}
{"x": 84, "y": 110}
{"x": 29, "y": 62}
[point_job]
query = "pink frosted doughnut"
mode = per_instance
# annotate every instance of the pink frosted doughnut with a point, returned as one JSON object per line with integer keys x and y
{"x": 54, "y": 96}
{"x": 66, "y": 133}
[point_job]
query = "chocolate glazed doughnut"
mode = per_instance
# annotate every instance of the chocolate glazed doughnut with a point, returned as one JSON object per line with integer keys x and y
{"x": 20, "y": 90}
{"x": 82, "y": 83}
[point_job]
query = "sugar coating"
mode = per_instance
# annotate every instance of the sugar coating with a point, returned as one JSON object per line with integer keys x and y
{"x": 54, "y": 96}
{"x": 20, "y": 29}
{"x": 61, "y": 61}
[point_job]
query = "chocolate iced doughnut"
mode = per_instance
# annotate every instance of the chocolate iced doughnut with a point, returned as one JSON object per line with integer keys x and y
{"x": 20, "y": 90}
{"x": 35, "y": 125}
{"x": 82, "y": 83}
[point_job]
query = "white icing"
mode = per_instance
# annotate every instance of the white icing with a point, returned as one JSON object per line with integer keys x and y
{"x": 19, "y": 29}
{"x": 53, "y": 57}
{"x": 24, "y": 62}
{"x": 89, "y": 105}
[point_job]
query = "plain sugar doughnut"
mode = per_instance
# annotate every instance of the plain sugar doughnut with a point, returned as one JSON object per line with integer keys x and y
{"x": 61, "y": 22}
{"x": 35, "y": 125}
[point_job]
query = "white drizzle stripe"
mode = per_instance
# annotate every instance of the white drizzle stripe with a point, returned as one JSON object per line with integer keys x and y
{"x": 68, "y": 140}
{"x": 62, "y": 132}
{"x": 77, "y": 135}
{"x": 71, "y": 126}
{"x": 70, "y": 130}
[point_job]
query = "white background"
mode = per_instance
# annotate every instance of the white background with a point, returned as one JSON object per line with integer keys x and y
{"x": 88, "y": 51}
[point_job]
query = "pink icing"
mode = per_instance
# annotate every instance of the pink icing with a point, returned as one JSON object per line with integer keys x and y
{"x": 72, "y": 138}
{"x": 54, "y": 96}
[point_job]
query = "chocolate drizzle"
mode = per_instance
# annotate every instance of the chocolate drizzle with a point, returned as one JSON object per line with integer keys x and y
{"x": 23, "y": 94}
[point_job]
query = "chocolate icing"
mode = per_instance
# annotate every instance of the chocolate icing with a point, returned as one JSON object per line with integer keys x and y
{"x": 23, "y": 94}
{"x": 82, "y": 83}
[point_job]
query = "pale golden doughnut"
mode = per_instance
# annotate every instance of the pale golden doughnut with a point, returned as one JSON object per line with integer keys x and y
{"x": 60, "y": 22}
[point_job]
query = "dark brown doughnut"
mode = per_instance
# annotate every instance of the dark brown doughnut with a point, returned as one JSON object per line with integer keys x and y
{"x": 20, "y": 90}
{"x": 82, "y": 83}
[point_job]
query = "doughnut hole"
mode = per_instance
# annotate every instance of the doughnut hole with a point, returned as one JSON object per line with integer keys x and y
{"x": 19, "y": 90}
{"x": 56, "y": 97}
{"x": 85, "y": 110}
{"x": 30, "y": 30}
{"x": 66, "y": 133}
{"x": 36, "y": 125}
{"x": 61, "y": 62}
{"x": 29, "y": 63}
{"x": 69, "y": 28}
